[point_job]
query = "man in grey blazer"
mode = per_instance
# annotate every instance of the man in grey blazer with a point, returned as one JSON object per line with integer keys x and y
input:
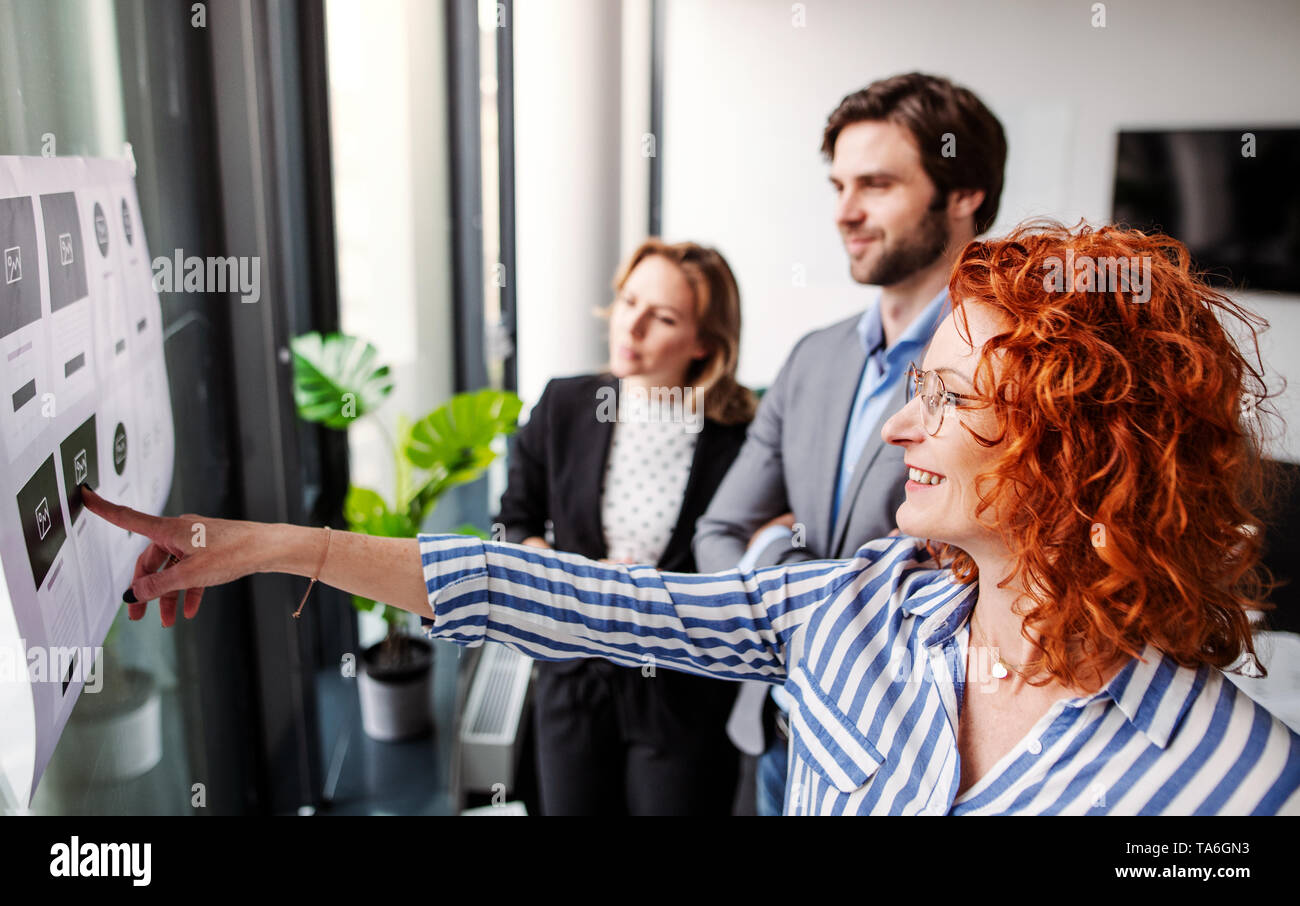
{"x": 916, "y": 164}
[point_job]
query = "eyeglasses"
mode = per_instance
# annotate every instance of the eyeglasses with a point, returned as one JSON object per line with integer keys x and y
{"x": 935, "y": 398}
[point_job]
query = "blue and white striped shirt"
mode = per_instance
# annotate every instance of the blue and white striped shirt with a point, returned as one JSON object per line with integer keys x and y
{"x": 873, "y": 651}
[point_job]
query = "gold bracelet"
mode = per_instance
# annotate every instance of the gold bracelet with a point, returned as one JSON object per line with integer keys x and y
{"x": 323, "y": 555}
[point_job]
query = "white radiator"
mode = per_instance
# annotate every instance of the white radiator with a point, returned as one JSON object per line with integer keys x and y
{"x": 490, "y": 731}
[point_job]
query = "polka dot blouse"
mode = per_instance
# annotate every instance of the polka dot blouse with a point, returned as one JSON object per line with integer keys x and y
{"x": 644, "y": 483}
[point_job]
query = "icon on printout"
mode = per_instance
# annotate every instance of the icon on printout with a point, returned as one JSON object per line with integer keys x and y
{"x": 13, "y": 264}
{"x": 126, "y": 221}
{"x": 79, "y": 466}
{"x": 101, "y": 230}
{"x": 119, "y": 449}
{"x": 43, "y": 518}
{"x": 65, "y": 249}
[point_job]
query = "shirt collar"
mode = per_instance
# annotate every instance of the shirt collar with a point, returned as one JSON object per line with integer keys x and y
{"x": 1153, "y": 691}
{"x": 942, "y": 614}
{"x": 942, "y": 606}
{"x": 871, "y": 329}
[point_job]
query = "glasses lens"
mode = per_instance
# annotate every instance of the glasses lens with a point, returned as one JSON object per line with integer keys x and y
{"x": 931, "y": 401}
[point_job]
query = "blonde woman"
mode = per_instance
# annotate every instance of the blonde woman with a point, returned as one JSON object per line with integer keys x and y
{"x": 621, "y": 464}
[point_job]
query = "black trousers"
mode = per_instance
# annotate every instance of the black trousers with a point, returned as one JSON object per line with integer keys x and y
{"x": 614, "y": 741}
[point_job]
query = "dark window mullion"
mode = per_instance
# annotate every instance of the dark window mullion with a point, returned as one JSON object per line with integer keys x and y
{"x": 466, "y": 194}
{"x": 506, "y": 184}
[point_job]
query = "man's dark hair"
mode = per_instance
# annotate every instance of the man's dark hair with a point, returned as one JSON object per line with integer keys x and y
{"x": 930, "y": 107}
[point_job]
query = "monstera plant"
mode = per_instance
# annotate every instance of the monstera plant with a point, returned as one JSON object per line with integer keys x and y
{"x": 338, "y": 379}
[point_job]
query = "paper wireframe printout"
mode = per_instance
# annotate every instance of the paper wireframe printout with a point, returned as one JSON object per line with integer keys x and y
{"x": 83, "y": 397}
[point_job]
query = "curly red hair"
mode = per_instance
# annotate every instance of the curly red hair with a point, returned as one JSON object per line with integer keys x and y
{"x": 1131, "y": 479}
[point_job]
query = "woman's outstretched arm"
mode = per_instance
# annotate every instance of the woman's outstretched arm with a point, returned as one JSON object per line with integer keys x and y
{"x": 216, "y": 551}
{"x": 549, "y": 605}
{"x": 558, "y": 606}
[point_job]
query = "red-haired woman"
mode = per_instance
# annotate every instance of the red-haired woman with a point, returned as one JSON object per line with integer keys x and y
{"x": 1085, "y": 462}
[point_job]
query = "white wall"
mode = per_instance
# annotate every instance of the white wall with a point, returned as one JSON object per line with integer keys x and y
{"x": 748, "y": 90}
{"x": 567, "y": 176}
{"x": 392, "y": 207}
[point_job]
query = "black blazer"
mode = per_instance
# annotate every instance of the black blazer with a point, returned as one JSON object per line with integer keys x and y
{"x": 557, "y": 466}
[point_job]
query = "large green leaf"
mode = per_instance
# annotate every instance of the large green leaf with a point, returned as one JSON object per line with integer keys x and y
{"x": 336, "y": 379}
{"x": 454, "y": 441}
{"x": 367, "y": 512}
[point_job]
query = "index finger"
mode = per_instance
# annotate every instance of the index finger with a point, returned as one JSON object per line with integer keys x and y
{"x": 122, "y": 516}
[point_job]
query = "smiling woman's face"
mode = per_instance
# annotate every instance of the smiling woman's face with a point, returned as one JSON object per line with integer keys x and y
{"x": 945, "y": 511}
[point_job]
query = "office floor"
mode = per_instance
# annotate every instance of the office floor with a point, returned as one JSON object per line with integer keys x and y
{"x": 366, "y": 777}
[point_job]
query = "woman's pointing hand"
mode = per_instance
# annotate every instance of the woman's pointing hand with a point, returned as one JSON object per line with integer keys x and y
{"x": 197, "y": 552}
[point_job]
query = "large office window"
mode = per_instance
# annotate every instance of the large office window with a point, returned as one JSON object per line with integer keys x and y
{"x": 128, "y": 79}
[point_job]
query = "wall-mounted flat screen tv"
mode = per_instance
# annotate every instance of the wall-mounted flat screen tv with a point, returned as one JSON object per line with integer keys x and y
{"x": 1232, "y": 196}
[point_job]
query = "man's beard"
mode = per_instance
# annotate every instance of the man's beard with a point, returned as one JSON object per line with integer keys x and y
{"x": 915, "y": 252}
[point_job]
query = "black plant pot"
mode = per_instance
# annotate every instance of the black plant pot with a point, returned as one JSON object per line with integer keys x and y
{"x": 397, "y": 693}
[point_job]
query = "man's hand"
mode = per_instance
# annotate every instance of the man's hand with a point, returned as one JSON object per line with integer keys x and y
{"x": 787, "y": 520}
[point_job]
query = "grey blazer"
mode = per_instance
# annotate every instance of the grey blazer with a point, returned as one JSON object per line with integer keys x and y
{"x": 791, "y": 459}
{"x": 790, "y": 463}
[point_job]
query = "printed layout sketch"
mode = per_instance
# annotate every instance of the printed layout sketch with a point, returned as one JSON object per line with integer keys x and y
{"x": 84, "y": 398}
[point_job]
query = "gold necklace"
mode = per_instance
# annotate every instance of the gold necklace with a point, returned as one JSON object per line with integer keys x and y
{"x": 1000, "y": 666}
